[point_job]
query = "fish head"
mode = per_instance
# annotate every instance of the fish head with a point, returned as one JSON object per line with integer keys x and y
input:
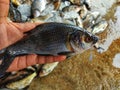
{"x": 82, "y": 40}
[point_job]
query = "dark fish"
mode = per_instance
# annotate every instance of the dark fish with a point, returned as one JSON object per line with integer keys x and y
{"x": 18, "y": 80}
{"x": 14, "y": 14}
{"x": 49, "y": 39}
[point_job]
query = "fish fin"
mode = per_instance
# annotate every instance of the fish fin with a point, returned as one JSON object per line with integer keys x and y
{"x": 1, "y": 58}
{"x": 28, "y": 32}
{"x": 2, "y": 53}
{"x": 31, "y": 31}
{"x": 6, "y": 61}
{"x": 66, "y": 53}
{"x": 35, "y": 29}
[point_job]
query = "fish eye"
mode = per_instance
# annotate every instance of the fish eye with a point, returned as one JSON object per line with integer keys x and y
{"x": 75, "y": 7}
{"x": 88, "y": 39}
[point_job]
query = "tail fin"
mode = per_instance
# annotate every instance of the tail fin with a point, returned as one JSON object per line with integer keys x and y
{"x": 2, "y": 53}
{"x": 1, "y": 58}
{"x": 5, "y": 61}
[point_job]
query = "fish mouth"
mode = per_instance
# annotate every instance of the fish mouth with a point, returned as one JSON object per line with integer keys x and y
{"x": 95, "y": 39}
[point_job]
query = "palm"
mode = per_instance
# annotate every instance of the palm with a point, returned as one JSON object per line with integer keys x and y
{"x": 11, "y": 32}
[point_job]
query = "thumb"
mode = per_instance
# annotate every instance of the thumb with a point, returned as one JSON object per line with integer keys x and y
{"x": 24, "y": 27}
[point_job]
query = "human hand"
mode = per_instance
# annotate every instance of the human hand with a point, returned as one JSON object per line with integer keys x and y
{"x": 11, "y": 32}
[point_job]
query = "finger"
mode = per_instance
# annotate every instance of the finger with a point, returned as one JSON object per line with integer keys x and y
{"x": 59, "y": 58}
{"x": 34, "y": 59}
{"x": 31, "y": 60}
{"x": 18, "y": 64}
{"x": 21, "y": 62}
{"x": 3, "y": 36}
{"x": 13, "y": 66}
{"x": 49, "y": 59}
{"x": 41, "y": 59}
{"x": 24, "y": 27}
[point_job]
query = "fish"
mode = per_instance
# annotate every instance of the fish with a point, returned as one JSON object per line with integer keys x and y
{"x": 14, "y": 14}
{"x": 57, "y": 4}
{"x": 49, "y": 39}
{"x": 16, "y": 2}
{"x": 18, "y": 79}
{"x": 37, "y": 7}
{"x": 71, "y": 8}
{"x": 99, "y": 27}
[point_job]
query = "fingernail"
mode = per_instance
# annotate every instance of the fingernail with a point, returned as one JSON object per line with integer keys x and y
{"x": 62, "y": 57}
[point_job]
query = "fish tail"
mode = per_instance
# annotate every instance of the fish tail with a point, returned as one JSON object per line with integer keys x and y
{"x": 2, "y": 53}
{"x": 5, "y": 61}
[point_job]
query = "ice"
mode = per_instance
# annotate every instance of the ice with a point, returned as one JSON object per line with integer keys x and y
{"x": 116, "y": 60}
{"x": 101, "y": 6}
{"x": 114, "y": 31}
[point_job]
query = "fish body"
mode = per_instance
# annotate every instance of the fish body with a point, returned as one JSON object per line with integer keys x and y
{"x": 49, "y": 39}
